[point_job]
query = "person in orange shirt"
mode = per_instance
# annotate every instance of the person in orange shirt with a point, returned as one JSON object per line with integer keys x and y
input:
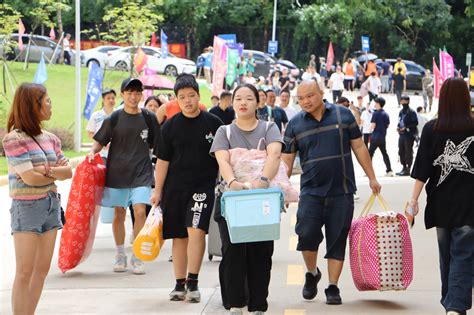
{"x": 170, "y": 109}
{"x": 349, "y": 75}
{"x": 369, "y": 68}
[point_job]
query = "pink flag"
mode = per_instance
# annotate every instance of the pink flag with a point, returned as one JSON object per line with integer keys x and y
{"x": 219, "y": 65}
{"x": 438, "y": 79}
{"x": 330, "y": 58}
{"x": 447, "y": 65}
{"x": 52, "y": 34}
{"x": 21, "y": 31}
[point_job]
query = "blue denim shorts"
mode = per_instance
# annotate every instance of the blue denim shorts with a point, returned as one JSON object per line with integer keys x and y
{"x": 36, "y": 216}
{"x": 124, "y": 197}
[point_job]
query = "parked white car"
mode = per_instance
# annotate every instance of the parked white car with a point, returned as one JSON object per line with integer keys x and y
{"x": 171, "y": 65}
{"x": 98, "y": 55}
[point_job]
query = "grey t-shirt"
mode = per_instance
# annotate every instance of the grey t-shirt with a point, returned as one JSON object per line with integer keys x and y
{"x": 129, "y": 160}
{"x": 246, "y": 139}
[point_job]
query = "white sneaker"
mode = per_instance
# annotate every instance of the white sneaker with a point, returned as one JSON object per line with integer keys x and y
{"x": 235, "y": 311}
{"x": 138, "y": 266}
{"x": 356, "y": 197}
{"x": 120, "y": 263}
{"x": 389, "y": 174}
{"x": 452, "y": 313}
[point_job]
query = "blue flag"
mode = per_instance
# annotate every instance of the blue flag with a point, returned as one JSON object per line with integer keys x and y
{"x": 94, "y": 89}
{"x": 164, "y": 45}
{"x": 41, "y": 74}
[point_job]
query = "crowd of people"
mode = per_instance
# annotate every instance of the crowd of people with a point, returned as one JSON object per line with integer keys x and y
{"x": 169, "y": 152}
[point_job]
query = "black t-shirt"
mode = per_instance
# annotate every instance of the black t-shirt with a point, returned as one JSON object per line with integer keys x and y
{"x": 185, "y": 143}
{"x": 280, "y": 117}
{"x": 129, "y": 160}
{"x": 226, "y": 116}
{"x": 398, "y": 79}
{"x": 445, "y": 161}
{"x": 283, "y": 81}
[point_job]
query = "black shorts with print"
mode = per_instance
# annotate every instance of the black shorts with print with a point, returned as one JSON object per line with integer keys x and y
{"x": 186, "y": 209}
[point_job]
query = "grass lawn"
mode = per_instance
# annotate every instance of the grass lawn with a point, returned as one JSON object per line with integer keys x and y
{"x": 61, "y": 89}
{"x": 3, "y": 160}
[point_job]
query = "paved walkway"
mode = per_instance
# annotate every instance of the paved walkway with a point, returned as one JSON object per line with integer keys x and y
{"x": 92, "y": 288}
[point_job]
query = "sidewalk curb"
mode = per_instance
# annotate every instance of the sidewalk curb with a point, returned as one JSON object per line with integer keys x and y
{"x": 74, "y": 162}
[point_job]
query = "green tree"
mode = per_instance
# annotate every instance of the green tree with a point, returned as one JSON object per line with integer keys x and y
{"x": 132, "y": 23}
{"x": 8, "y": 24}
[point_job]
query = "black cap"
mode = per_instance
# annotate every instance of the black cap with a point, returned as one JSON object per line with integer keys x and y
{"x": 405, "y": 97}
{"x": 131, "y": 83}
{"x": 107, "y": 91}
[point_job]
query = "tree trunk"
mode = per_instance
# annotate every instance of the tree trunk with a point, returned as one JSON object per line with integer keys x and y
{"x": 59, "y": 17}
{"x": 188, "y": 41}
{"x": 42, "y": 29}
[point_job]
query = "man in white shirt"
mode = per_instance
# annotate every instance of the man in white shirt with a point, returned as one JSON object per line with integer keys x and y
{"x": 365, "y": 120}
{"x": 336, "y": 84}
{"x": 311, "y": 73}
{"x": 285, "y": 104}
{"x": 374, "y": 85}
{"x": 67, "y": 49}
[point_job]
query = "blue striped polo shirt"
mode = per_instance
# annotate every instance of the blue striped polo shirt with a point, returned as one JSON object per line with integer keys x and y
{"x": 324, "y": 148}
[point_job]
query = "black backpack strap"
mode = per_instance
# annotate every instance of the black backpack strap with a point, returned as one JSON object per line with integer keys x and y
{"x": 151, "y": 129}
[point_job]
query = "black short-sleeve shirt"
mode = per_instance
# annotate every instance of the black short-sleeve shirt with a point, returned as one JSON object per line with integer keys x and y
{"x": 185, "y": 144}
{"x": 227, "y": 115}
{"x": 129, "y": 160}
{"x": 325, "y": 150}
{"x": 444, "y": 162}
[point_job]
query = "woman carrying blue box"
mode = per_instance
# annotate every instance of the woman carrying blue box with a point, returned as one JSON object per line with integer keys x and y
{"x": 254, "y": 260}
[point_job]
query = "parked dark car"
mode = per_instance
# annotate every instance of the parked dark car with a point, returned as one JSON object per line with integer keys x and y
{"x": 39, "y": 45}
{"x": 266, "y": 63}
{"x": 414, "y": 74}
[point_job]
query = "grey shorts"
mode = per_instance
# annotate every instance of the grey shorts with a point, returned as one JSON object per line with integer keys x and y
{"x": 36, "y": 216}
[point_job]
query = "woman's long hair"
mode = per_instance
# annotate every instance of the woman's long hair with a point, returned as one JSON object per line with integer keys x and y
{"x": 454, "y": 111}
{"x": 25, "y": 113}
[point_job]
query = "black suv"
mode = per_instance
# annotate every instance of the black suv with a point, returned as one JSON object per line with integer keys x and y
{"x": 414, "y": 74}
{"x": 266, "y": 63}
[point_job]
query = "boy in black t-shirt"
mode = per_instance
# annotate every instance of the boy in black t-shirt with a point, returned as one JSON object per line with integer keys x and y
{"x": 131, "y": 132}
{"x": 185, "y": 180}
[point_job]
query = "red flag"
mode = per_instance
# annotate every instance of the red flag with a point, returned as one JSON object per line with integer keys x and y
{"x": 438, "y": 79}
{"x": 140, "y": 60}
{"x": 21, "y": 31}
{"x": 330, "y": 58}
{"x": 153, "y": 40}
{"x": 52, "y": 34}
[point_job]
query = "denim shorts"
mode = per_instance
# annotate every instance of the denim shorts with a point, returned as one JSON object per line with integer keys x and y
{"x": 36, "y": 216}
{"x": 124, "y": 197}
{"x": 334, "y": 213}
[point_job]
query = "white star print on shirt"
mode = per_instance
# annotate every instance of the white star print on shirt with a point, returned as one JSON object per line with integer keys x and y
{"x": 453, "y": 158}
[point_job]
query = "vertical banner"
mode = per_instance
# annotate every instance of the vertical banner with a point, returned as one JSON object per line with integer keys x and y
{"x": 219, "y": 65}
{"x": 447, "y": 65}
{"x": 330, "y": 57}
{"x": 164, "y": 45}
{"x": 140, "y": 60}
{"x": 365, "y": 43}
{"x": 153, "y": 40}
{"x": 232, "y": 60}
{"x": 94, "y": 89}
{"x": 438, "y": 79}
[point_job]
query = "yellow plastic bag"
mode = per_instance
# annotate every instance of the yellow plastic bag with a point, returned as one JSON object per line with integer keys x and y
{"x": 147, "y": 244}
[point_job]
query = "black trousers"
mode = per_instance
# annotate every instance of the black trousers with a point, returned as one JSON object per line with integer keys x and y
{"x": 244, "y": 271}
{"x": 336, "y": 94}
{"x": 372, "y": 96}
{"x": 405, "y": 151}
{"x": 380, "y": 144}
{"x": 367, "y": 139}
{"x": 67, "y": 58}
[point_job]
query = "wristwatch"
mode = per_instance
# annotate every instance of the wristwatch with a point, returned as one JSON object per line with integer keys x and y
{"x": 265, "y": 179}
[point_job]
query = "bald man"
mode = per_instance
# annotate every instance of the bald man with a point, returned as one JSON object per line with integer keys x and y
{"x": 324, "y": 134}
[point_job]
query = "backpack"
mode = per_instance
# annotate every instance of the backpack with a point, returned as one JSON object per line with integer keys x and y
{"x": 148, "y": 120}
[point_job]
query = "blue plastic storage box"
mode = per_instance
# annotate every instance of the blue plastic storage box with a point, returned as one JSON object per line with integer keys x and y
{"x": 253, "y": 215}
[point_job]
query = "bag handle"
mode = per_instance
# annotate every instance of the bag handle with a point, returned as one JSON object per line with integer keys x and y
{"x": 368, "y": 206}
{"x": 267, "y": 126}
